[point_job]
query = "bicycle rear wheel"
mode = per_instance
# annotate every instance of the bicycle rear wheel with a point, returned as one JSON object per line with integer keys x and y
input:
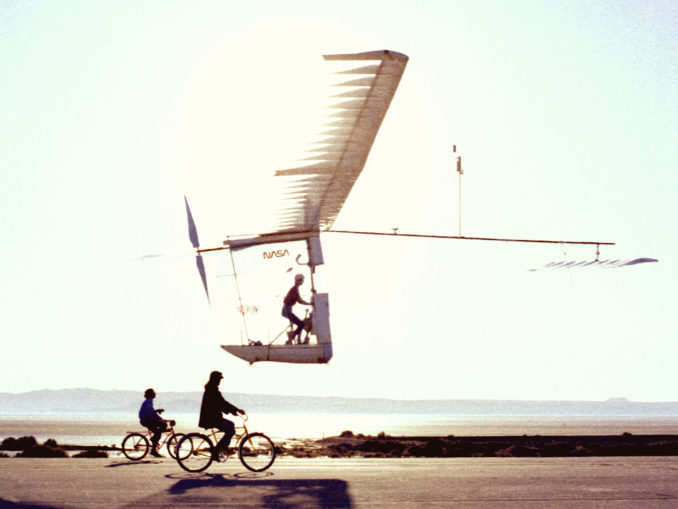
{"x": 135, "y": 446}
{"x": 172, "y": 444}
{"x": 195, "y": 452}
{"x": 256, "y": 451}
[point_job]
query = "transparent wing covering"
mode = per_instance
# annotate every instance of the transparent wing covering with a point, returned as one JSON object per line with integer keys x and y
{"x": 361, "y": 89}
{"x": 250, "y": 305}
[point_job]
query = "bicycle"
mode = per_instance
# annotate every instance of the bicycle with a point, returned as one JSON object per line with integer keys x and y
{"x": 291, "y": 328}
{"x": 136, "y": 445}
{"x": 196, "y": 451}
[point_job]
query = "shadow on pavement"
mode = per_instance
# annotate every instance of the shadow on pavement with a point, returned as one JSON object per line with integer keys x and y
{"x": 6, "y": 504}
{"x": 126, "y": 463}
{"x": 257, "y": 491}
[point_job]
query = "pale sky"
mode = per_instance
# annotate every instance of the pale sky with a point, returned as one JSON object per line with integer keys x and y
{"x": 565, "y": 114}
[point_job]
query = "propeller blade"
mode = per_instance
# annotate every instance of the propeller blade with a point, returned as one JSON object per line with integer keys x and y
{"x": 203, "y": 275}
{"x": 193, "y": 236}
{"x": 192, "y": 230}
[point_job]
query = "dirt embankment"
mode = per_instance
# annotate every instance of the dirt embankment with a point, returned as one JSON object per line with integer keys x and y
{"x": 349, "y": 445}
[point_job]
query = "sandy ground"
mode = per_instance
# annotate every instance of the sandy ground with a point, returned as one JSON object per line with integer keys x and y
{"x": 627, "y": 482}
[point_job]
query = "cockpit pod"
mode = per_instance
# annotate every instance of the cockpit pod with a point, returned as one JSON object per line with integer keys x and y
{"x": 318, "y": 348}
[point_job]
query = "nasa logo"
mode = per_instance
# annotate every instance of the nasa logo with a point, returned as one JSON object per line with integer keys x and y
{"x": 276, "y": 254}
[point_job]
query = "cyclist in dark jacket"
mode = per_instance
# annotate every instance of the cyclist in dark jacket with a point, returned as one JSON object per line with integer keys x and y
{"x": 212, "y": 408}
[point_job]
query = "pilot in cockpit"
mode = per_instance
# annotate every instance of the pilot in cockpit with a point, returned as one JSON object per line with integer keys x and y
{"x": 290, "y": 300}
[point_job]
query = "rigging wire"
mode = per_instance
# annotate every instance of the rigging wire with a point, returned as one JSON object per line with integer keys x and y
{"x": 237, "y": 288}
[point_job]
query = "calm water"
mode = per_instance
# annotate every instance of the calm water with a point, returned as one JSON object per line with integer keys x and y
{"x": 109, "y": 429}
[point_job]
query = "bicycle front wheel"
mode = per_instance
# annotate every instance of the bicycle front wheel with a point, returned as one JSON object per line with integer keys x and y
{"x": 172, "y": 444}
{"x": 256, "y": 451}
{"x": 135, "y": 446}
{"x": 194, "y": 452}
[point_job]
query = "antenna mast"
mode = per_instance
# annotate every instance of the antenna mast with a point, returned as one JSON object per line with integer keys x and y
{"x": 460, "y": 172}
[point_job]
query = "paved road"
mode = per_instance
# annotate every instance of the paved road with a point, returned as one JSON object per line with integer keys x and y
{"x": 630, "y": 482}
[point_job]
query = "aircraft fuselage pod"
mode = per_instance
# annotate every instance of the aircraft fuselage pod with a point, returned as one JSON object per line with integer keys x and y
{"x": 319, "y": 352}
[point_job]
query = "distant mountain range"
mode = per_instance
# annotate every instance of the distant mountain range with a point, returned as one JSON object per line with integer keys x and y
{"x": 97, "y": 401}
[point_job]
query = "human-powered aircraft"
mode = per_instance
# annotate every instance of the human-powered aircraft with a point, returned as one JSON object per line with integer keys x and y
{"x": 313, "y": 194}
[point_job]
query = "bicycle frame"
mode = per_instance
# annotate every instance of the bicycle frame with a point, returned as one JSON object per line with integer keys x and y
{"x": 196, "y": 451}
{"x": 137, "y": 444}
{"x": 166, "y": 435}
{"x": 215, "y": 434}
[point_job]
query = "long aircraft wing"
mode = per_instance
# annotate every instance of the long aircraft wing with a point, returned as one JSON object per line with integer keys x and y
{"x": 315, "y": 190}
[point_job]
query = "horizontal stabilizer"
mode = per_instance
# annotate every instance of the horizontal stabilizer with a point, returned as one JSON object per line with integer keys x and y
{"x": 610, "y": 264}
